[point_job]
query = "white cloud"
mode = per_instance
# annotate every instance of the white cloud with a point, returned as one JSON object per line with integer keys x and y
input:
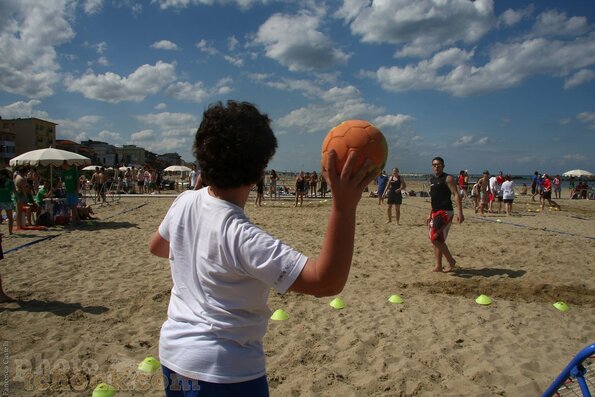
{"x": 197, "y": 92}
{"x": 167, "y": 120}
{"x": 22, "y": 109}
{"x": 467, "y": 140}
{"x": 92, "y": 6}
{"x": 588, "y": 118}
{"x": 113, "y": 88}
{"x": 113, "y": 138}
{"x": 509, "y": 64}
{"x": 579, "y": 78}
{"x": 232, "y": 43}
{"x": 511, "y": 17}
{"x": 205, "y": 46}
{"x": 29, "y": 33}
{"x": 244, "y": 4}
{"x": 142, "y": 135}
{"x": 165, "y": 45}
{"x": 160, "y": 106}
{"x": 103, "y": 61}
{"x": 555, "y": 23}
{"x": 419, "y": 27}
{"x": 297, "y": 43}
{"x": 393, "y": 120}
{"x": 77, "y": 130}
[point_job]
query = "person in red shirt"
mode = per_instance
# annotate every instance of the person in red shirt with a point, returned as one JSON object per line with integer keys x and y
{"x": 547, "y": 193}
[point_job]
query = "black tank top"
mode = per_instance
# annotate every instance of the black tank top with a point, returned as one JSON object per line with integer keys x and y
{"x": 394, "y": 184}
{"x": 440, "y": 193}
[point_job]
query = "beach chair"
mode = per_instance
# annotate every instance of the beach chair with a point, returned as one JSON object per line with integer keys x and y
{"x": 578, "y": 378}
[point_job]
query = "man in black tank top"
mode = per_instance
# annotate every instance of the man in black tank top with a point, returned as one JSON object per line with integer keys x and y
{"x": 442, "y": 186}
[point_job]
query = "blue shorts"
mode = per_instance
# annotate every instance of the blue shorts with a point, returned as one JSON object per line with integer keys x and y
{"x": 72, "y": 199}
{"x": 180, "y": 386}
{"x": 8, "y": 206}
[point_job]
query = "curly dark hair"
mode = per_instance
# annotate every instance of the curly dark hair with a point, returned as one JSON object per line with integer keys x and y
{"x": 233, "y": 144}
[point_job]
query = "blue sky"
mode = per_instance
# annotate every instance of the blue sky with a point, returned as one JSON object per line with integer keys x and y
{"x": 498, "y": 85}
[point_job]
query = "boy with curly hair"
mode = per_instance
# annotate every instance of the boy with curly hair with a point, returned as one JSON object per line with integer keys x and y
{"x": 223, "y": 266}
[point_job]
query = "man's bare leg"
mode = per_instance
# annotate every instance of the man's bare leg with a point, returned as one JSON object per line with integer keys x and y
{"x": 440, "y": 248}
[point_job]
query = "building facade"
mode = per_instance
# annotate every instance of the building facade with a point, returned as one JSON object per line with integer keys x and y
{"x": 30, "y": 134}
{"x": 131, "y": 155}
{"x": 7, "y": 146}
{"x": 105, "y": 153}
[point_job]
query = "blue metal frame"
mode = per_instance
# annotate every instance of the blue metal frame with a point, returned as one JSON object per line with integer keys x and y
{"x": 574, "y": 369}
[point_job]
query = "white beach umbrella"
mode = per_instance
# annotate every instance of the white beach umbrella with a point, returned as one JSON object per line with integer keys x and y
{"x": 49, "y": 156}
{"x": 91, "y": 167}
{"x": 177, "y": 168}
{"x": 577, "y": 173}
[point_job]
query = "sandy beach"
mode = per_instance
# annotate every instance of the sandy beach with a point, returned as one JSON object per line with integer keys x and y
{"x": 91, "y": 301}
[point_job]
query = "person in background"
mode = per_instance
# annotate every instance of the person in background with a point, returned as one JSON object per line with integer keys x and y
{"x": 557, "y": 186}
{"x": 508, "y": 194}
{"x": 393, "y": 192}
{"x": 323, "y": 186}
{"x": 70, "y": 176}
{"x": 259, "y": 192}
{"x": 7, "y": 190}
{"x": 223, "y": 266}
{"x": 442, "y": 187}
{"x": 547, "y": 193}
{"x": 273, "y": 194}
{"x": 300, "y": 188}
{"x": 381, "y": 181}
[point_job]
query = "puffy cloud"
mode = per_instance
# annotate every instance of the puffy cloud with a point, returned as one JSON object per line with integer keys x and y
{"x": 142, "y": 135}
{"x": 92, "y": 6}
{"x": 393, "y": 120}
{"x": 511, "y": 17}
{"x": 579, "y": 78}
{"x": 296, "y": 42}
{"x": 29, "y": 33}
{"x": 76, "y": 130}
{"x": 555, "y": 23}
{"x": 165, "y": 45}
{"x": 467, "y": 140}
{"x": 113, "y": 88}
{"x": 588, "y": 118}
{"x": 420, "y": 27}
{"x": 22, "y": 109}
{"x": 509, "y": 64}
{"x": 110, "y": 136}
{"x": 168, "y": 120}
{"x": 165, "y": 4}
{"x": 197, "y": 92}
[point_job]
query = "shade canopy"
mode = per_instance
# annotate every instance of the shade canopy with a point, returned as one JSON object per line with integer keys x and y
{"x": 177, "y": 168}
{"x": 91, "y": 167}
{"x": 49, "y": 156}
{"x": 577, "y": 173}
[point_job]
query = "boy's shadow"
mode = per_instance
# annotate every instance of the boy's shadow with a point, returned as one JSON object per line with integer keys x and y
{"x": 487, "y": 272}
{"x": 58, "y": 308}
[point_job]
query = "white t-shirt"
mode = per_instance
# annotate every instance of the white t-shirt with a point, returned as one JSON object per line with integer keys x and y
{"x": 223, "y": 268}
{"x": 508, "y": 190}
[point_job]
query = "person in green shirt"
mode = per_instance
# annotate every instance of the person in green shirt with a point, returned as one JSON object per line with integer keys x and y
{"x": 43, "y": 193}
{"x": 6, "y": 192}
{"x": 70, "y": 176}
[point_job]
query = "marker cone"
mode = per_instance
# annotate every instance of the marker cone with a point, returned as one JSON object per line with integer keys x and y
{"x": 279, "y": 315}
{"x": 104, "y": 390}
{"x": 395, "y": 299}
{"x": 483, "y": 300}
{"x": 563, "y": 307}
{"x": 149, "y": 365}
{"x": 337, "y": 303}
{"x": 498, "y": 220}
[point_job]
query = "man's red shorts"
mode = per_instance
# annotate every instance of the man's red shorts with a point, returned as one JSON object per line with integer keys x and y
{"x": 440, "y": 224}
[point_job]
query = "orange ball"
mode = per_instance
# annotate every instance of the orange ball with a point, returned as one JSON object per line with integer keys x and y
{"x": 356, "y": 135}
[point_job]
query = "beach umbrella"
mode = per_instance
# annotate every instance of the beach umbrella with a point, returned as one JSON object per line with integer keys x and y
{"x": 177, "y": 168}
{"x": 577, "y": 173}
{"x": 91, "y": 167}
{"x": 124, "y": 169}
{"x": 49, "y": 156}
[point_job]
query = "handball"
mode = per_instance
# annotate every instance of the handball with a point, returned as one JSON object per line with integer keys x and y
{"x": 359, "y": 136}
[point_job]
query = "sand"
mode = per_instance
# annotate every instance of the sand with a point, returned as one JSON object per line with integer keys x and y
{"x": 91, "y": 300}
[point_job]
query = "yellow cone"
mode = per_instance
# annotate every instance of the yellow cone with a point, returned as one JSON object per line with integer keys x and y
{"x": 337, "y": 303}
{"x": 395, "y": 299}
{"x": 483, "y": 300}
{"x": 279, "y": 315}
{"x": 104, "y": 390}
{"x": 498, "y": 220}
{"x": 149, "y": 365}
{"x": 563, "y": 307}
